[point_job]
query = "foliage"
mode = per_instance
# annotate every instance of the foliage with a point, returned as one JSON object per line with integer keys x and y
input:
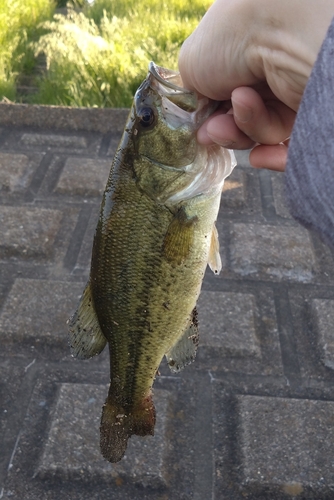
{"x": 18, "y": 21}
{"x": 99, "y": 56}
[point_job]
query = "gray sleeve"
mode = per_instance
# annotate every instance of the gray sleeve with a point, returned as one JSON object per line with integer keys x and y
{"x": 309, "y": 178}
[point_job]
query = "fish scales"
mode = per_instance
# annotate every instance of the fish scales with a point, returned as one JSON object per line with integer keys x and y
{"x": 153, "y": 241}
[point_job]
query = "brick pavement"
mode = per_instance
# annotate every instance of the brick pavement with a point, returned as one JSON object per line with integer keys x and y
{"x": 252, "y": 418}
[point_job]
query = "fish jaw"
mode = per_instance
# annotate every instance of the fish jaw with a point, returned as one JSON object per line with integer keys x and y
{"x": 180, "y": 105}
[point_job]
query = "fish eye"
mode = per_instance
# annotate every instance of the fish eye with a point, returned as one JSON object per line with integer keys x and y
{"x": 146, "y": 117}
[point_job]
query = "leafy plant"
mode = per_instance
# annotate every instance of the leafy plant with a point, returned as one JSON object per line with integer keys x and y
{"x": 18, "y": 21}
{"x": 98, "y": 57}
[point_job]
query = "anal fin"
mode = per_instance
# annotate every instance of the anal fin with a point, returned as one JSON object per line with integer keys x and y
{"x": 85, "y": 335}
{"x": 184, "y": 351}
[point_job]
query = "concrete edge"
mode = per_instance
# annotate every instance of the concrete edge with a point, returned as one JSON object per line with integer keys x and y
{"x": 101, "y": 120}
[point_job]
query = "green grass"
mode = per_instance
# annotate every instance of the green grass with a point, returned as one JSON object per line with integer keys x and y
{"x": 18, "y": 28}
{"x": 98, "y": 57}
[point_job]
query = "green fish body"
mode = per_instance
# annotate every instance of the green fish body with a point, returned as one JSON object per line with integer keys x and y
{"x": 155, "y": 236}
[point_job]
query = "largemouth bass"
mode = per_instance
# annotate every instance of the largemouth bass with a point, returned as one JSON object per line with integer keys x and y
{"x": 155, "y": 236}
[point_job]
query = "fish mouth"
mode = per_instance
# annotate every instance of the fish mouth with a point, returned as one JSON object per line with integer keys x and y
{"x": 169, "y": 84}
{"x": 194, "y": 109}
{"x": 169, "y": 78}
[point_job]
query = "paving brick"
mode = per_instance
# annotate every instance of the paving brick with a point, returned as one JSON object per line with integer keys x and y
{"x": 114, "y": 142}
{"x": 272, "y": 251}
{"x": 225, "y": 428}
{"x": 57, "y": 450}
{"x": 37, "y": 310}
{"x": 54, "y": 141}
{"x": 83, "y": 176}
{"x": 11, "y": 395}
{"x": 241, "y": 198}
{"x": 323, "y": 315}
{"x": 275, "y": 438}
{"x": 16, "y": 171}
{"x": 277, "y": 180}
{"x": 72, "y": 448}
{"x": 234, "y": 189}
{"x": 83, "y": 262}
{"x": 305, "y": 325}
{"x": 227, "y": 323}
{"x": 28, "y": 232}
{"x": 238, "y": 332}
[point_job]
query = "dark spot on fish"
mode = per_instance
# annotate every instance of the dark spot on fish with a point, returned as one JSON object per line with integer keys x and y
{"x": 148, "y": 326}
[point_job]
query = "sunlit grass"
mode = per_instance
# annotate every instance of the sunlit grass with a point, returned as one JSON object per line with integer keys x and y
{"x": 95, "y": 57}
{"x": 18, "y": 27}
{"x": 98, "y": 57}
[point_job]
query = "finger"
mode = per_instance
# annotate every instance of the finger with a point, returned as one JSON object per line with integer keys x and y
{"x": 266, "y": 121}
{"x": 222, "y": 129}
{"x": 270, "y": 157}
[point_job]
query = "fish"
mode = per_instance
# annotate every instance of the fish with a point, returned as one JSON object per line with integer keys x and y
{"x": 155, "y": 236}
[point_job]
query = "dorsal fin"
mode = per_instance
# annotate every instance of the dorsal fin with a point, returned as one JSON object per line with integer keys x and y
{"x": 85, "y": 335}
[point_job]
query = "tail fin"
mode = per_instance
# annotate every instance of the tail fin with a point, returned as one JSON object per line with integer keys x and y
{"x": 119, "y": 423}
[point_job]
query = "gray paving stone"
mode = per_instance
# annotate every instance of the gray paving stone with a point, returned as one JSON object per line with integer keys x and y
{"x": 53, "y": 141}
{"x": 323, "y": 315}
{"x": 11, "y": 383}
{"x": 114, "y": 142}
{"x": 83, "y": 176}
{"x": 63, "y": 118}
{"x": 238, "y": 333}
{"x": 72, "y": 447}
{"x": 286, "y": 443}
{"x": 37, "y": 310}
{"x": 234, "y": 189}
{"x": 57, "y": 450}
{"x": 83, "y": 262}
{"x": 305, "y": 328}
{"x": 16, "y": 171}
{"x": 277, "y": 180}
{"x": 227, "y": 323}
{"x": 265, "y": 336}
{"x": 28, "y": 232}
{"x": 272, "y": 251}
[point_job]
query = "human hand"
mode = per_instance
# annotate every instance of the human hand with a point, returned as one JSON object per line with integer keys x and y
{"x": 255, "y": 56}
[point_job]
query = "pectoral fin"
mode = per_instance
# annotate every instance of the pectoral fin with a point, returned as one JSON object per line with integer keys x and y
{"x": 179, "y": 237}
{"x": 85, "y": 335}
{"x": 184, "y": 351}
{"x": 214, "y": 260}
